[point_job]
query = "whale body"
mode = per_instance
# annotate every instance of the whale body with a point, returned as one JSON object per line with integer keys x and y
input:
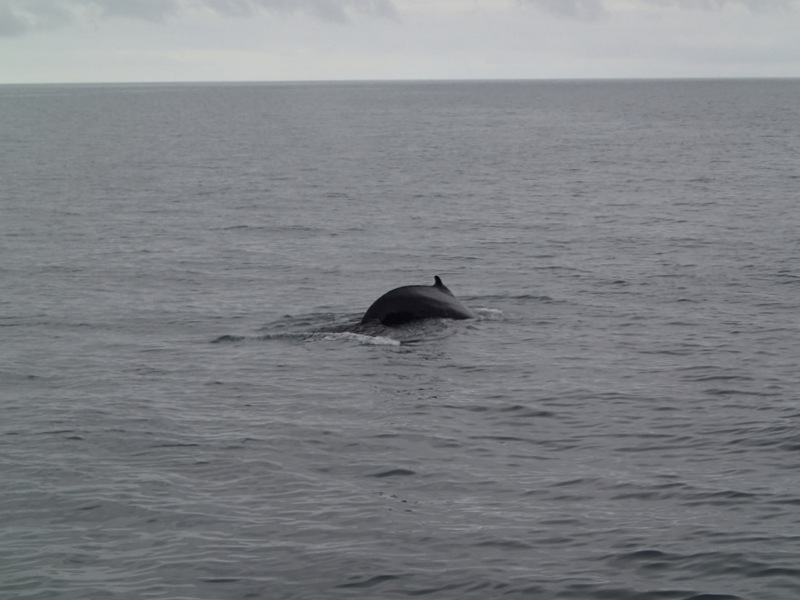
{"x": 414, "y": 302}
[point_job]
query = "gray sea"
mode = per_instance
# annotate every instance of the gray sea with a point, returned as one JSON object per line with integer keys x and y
{"x": 185, "y": 414}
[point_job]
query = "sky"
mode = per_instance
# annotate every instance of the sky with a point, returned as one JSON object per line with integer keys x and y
{"x": 89, "y": 41}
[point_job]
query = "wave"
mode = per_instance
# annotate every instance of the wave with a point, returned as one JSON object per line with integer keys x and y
{"x": 345, "y": 327}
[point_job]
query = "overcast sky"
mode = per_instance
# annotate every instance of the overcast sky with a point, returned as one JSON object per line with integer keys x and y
{"x": 278, "y": 40}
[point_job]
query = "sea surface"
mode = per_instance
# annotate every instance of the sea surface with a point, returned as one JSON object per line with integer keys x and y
{"x": 186, "y": 413}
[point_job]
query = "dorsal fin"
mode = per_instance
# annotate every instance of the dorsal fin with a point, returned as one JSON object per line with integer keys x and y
{"x": 441, "y": 286}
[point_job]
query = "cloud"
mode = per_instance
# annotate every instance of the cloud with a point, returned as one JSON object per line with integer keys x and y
{"x": 577, "y": 9}
{"x": 10, "y": 23}
{"x": 327, "y": 10}
{"x": 592, "y": 9}
{"x": 150, "y": 10}
{"x": 753, "y": 5}
{"x": 18, "y": 17}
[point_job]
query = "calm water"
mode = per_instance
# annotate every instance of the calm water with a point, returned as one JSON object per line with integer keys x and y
{"x": 622, "y": 421}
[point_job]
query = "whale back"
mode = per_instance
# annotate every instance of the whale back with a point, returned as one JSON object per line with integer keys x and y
{"x": 414, "y": 302}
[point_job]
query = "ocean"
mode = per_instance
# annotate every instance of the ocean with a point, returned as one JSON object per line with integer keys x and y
{"x": 188, "y": 414}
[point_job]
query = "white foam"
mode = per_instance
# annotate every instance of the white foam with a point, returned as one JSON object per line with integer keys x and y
{"x": 377, "y": 340}
{"x": 491, "y": 314}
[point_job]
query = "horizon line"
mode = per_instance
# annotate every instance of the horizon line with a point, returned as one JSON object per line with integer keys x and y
{"x": 406, "y": 80}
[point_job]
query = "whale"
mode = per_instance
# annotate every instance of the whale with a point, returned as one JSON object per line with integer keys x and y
{"x": 415, "y": 302}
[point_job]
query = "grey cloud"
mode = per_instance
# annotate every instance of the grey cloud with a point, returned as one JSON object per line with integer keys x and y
{"x": 576, "y": 9}
{"x": 328, "y": 10}
{"x": 11, "y": 24}
{"x": 18, "y": 17}
{"x": 753, "y": 5}
{"x": 591, "y": 9}
{"x": 150, "y": 10}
